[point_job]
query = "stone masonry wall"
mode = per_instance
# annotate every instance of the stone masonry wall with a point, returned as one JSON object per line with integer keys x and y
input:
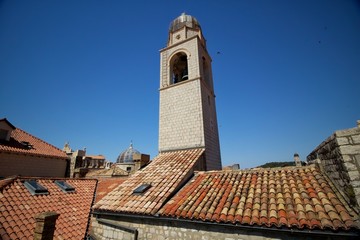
{"x": 339, "y": 156}
{"x": 213, "y": 157}
{"x": 180, "y": 120}
{"x": 187, "y": 109}
{"x": 113, "y": 228}
{"x": 180, "y": 117}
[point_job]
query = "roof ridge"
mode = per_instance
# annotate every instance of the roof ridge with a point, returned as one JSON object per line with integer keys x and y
{"x": 180, "y": 149}
{"x": 252, "y": 170}
{"x": 24, "y": 178}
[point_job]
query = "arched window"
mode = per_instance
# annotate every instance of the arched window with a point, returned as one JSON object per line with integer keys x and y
{"x": 179, "y": 68}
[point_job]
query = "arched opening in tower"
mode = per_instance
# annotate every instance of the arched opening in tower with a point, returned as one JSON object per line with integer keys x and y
{"x": 179, "y": 68}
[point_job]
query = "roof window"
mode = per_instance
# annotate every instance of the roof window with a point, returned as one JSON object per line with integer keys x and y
{"x": 142, "y": 188}
{"x": 26, "y": 145}
{"x": 35, "y": 188}
{"x": 64, "y": 186}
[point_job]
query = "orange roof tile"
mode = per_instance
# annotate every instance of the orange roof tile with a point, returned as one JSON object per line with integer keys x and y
{"x": 106, "y": 185}
{"x": 165, "y": 173}
{"x": 264, "y": 197}
{"x": 18, "y": 208}
{"x": 36, "y": 145}
{"x": 106, "y": 172}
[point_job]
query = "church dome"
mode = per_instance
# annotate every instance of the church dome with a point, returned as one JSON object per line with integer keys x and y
{"x": 184, "y": 20}
{"x": 127, "y": 155}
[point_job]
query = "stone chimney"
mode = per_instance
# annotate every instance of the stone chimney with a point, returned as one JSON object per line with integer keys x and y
{"x": 297, "y": 160}
{"x": 45, "y": 225}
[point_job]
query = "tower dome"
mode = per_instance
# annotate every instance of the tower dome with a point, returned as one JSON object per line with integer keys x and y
{"x": 127, "y": 155}
{"x": 184, "y": 20}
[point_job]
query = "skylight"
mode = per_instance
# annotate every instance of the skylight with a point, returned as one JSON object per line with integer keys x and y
{"x": 64, "y": 186}
{"x": 35, "y": 188}
{"x": 142, "y": 188}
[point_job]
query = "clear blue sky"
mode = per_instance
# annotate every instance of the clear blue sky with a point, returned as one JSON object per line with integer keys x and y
{"x": 87, "y": 72}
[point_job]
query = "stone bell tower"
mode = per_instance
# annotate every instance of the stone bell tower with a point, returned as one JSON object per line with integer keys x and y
{"x": 187, "y": 100}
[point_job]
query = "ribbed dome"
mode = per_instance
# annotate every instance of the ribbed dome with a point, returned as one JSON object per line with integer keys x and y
{"x": 184, "y": 20}
{"x": 127, "y": 155}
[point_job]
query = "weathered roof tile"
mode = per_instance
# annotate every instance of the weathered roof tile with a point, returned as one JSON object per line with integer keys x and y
{"x": 290, "y": 197}
{"x": 19, "y": 207}
{"x": 33, "y": 146}
{"x": 165, "y": 174}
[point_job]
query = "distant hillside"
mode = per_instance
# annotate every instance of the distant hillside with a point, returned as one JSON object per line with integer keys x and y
{"x": 279, "y": 164}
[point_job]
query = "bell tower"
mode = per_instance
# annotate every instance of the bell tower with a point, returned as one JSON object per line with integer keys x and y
{"x": 187, "y": 100}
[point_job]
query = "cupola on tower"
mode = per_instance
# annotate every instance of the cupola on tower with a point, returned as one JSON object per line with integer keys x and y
{"x": 187, "y": 100}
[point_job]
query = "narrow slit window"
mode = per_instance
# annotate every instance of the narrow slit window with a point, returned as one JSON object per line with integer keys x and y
{"x": 64, "y": 186}
{"x": 141, "y": 189}
{"x": 35, "y": 188}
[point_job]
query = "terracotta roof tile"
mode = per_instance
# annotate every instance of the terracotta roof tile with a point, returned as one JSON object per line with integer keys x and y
{"x": 18, "y": 208}
{"x": 165, "y": 174}
{"x": 36, "y": 145}
{"x": 106, "y": 185}
{"x": 289, "y": 197}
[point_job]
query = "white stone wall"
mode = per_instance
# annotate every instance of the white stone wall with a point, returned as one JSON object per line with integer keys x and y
{"x": 339, "y": 156}
{"x": 211, "y": 133}
{"x": 178, "y": 36}
{"x": 148, "y": 229}
{"x": 213, "y": 156}
{"x": 181, "y": 123}
{"x": 187, "y": 109}
{"x": 183, "y": 34}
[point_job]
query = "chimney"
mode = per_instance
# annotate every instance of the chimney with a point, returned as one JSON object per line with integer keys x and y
{"x": 45, "y": 225}
{"x": 358, "y": 123}
{"x": 297, "y": 160}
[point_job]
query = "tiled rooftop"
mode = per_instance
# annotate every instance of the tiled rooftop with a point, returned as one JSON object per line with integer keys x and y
{"x": 18, "y": 208}
{"x": 287, "y": 197}
{"x": 106, "y": 172}
{"x": 37, "y": 146}
{"x": 165, "y": 173}
{"x": 106, "y": 185}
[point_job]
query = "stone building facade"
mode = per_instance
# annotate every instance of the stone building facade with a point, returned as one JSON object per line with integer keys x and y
{"x": 142, "y": 228}
{"x": 187, "y": 99}
{"x": 81, "y": 164}
{"x": 339, "y": 156}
